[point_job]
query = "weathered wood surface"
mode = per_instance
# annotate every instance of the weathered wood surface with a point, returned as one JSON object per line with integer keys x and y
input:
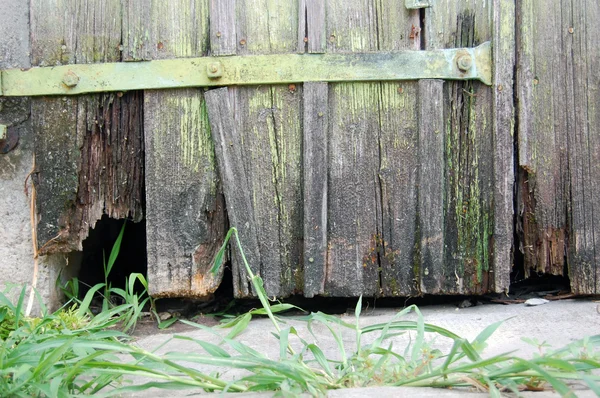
{"x": 475, "y": 157}
{"x": 89, "y": 149}
{"x": 268, "y": 128}
{"x": 558, "y": 139}
{"x": 185, "y": 212}
{"x": 239, "y": 198}
{"x": 503, "y": 58}
{"x": 372, "y": 158}
{"x": 316, "y": 125}
{"x": 431, "y": 184}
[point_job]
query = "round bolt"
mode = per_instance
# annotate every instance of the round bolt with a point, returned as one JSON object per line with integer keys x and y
{"x": 243, "y": 42}
{"x": 311, "y": 260}
{"x": 214, "y": 70}
{"x": 70, "y": 79}
{"x": 571, "y": 30}
{"x": 464, "y": 62}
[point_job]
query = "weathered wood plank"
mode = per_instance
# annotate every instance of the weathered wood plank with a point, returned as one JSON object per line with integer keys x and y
{"x": 469, "y": 156}
{"x": 89, "y": 149}
{"x": 354, "y": 195}
{"x": 222, "y": 27}
{"x": 542, "y": 137}
{"x": 239, "y": 198}
{"x": 315, "y": 187}
{"x": 311, "y": 26}
{"x": 268, "y": 121}
{"x": 503, "y": 55}
{"x": 185, "y": 220}
{"x": 558, "y": 139}
{"x": 431, "y": 184}
{"x": 398, "y": 157}
{"x": 584, "y": 144}
{"x": 372, "y": 160}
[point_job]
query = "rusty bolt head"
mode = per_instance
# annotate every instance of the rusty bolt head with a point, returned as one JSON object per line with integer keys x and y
{"x": 571, "y": 30}
{"x": 214, "y": 70}
{"x": 70, "y": 79}
{"x": 464, "y": 62}
{"x": 243, "y": 42}
{"x": 292, "y": 88}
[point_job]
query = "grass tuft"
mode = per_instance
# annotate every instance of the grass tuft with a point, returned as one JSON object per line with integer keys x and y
{"x": 72, "y": 352}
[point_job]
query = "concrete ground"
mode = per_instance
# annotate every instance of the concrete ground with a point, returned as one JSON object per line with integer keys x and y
{"x": 557, "y": 323}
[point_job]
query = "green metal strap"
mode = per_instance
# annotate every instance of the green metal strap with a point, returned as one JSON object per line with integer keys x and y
{"x": 451, "y": 64}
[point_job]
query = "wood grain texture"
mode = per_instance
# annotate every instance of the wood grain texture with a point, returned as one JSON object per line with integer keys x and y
{"x": 558, "y": 139}
{"x": 223, "y": 39}
{"x": 239, "y": 198}
{"x": 89, "y": 149}
{"x": 431, "y": 184}
{"x": 311, "y": 26}
{"x": 315, "y": 152}
{"x": 469, "y": 157}
{"x": 268, "y": 121}
{"x": 372, "y": 160}
{"x": 503, "y": 57}
{"x": 185, "y": 220}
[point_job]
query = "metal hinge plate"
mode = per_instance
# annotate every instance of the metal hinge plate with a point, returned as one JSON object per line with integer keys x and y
{"x": 450, "y": 64}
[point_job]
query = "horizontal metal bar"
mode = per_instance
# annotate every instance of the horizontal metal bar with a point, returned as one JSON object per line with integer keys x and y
{"x": 452, "y": 64}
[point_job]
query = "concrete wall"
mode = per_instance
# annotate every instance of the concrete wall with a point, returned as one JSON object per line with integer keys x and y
{"x": 16, "y": 250}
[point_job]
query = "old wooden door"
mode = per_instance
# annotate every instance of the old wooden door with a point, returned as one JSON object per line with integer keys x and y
{"x": 380, "y": 188}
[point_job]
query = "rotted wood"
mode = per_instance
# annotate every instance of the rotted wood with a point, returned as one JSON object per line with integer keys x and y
{"x": 89, "y": 149}
{"x": 471, "y": 162}
{"x": 559, "y": 193}
{"x": 185, "y": 210}
{"x": 268, "y": 127}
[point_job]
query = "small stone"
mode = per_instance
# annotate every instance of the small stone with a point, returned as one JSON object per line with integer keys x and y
{"x": 465, "y": 304}
{"x": 163, "y": 316}
{"x": 535, "y": 301}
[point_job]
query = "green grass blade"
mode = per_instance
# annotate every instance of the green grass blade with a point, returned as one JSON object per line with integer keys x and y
{"x": 114, "y": 253}
{"x": 218, "y": 261}
{"x": 84, "y": 306}
{"x": 320, "y": 358}
{"x": 210, "y": 348}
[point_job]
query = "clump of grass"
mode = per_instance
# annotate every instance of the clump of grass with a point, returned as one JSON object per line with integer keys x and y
{"x": 39, "y": 360}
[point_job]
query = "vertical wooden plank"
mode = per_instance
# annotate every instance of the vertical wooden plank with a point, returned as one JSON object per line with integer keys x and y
{"x": 185, "y": 217}
{"x": 372, "y": 160}
{"x": 268, "y": 121}
{"x": 228, "y": 149}
{"x": 584, "y": 141}
{"x": 315, "y": 187}
{"x": 469, "y": 156}
{"x": 89, "y": 148}
{"x": 311, "y": 26}
{"x": 558, "y": 139}
{"x": 431, "y": 187}
{"x": 397, "y": 29}
{"x": 222, "y": 27}
{"x": 503, "y": 19}
{"x": 542, "y": 138}
{"x": 354, "y": 196}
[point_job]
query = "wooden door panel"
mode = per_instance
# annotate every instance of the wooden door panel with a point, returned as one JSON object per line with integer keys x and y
{"x": 185, "y": 213}
{"x": 558, "y": 140}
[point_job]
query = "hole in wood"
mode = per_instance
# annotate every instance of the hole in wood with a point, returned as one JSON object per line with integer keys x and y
{"x": 97, "y": 248}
